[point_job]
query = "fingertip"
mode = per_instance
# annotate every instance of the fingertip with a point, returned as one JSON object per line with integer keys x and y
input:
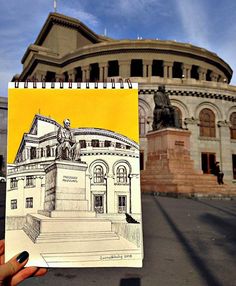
{"x": 22, "y": 257}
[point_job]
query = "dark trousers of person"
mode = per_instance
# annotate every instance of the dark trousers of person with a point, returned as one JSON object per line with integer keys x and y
{"x": 220, "y": 177}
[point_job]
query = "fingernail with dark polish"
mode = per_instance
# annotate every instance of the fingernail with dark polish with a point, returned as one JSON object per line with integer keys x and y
{"x": 22, "y": 256}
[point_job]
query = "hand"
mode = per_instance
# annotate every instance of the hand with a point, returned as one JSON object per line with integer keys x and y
{"x": 13, "y": 271}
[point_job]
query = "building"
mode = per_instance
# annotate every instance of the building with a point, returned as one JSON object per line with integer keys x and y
{"x": 197, "y": 80}
{"x": 3, "y": 135}
{"x": 111, "y": 172}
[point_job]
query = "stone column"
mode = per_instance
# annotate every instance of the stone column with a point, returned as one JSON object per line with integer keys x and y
{"x": 71, "y": 74}
{"x": 85, "y": 73}
{"x": 214, "y": 76}
{"x": 168, "y": 69}
{"x": 186, "y": 68}
{"x": 110, "y": 194}
{"x": 202, "y": 73}
{"x": 103, "y": 71}
{"x": 40, "y": 75}
{"x": 225, "y": 150}
{"x": 192, "y": 125}
{"x": 124, "y": 68}
{"x": 147, "y": 68}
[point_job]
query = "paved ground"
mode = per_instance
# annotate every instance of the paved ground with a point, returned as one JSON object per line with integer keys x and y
{"x": 186, "y": 242}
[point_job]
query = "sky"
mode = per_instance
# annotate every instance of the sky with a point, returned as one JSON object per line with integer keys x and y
{"x": 210, "y": 24}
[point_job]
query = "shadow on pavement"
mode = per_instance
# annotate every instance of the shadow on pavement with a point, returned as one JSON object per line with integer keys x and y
{"x": 226, "y": 227}
{"x": 199, "y": 263}
{"x": 217, "y": 208}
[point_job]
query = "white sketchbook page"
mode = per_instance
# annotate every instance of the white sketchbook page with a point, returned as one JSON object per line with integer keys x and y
{"x": 66, "y": 206}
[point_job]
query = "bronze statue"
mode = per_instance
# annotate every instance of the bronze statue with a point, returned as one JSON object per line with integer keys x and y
{"x": 164, "y": 114}
{"x": 67, "y": 148}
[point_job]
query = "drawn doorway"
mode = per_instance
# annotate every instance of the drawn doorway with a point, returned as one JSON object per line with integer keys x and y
{"x": 99, "y": 204}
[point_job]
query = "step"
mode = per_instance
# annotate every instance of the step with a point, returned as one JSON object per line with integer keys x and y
{"x": 73, "y": 214}
{"x": 98, "y": 258}
{"x": 73, "y": 237}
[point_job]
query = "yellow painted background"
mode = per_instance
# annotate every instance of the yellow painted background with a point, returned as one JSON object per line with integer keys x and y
{"x": 113, "y": 109}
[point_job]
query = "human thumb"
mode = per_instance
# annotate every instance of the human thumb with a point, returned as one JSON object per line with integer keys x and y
{"x": 14, "y": 265}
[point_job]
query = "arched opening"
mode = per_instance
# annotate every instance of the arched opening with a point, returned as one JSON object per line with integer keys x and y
{"x": 180, "y": 117}
{"x": 233, "y": 125}
{"x": 207, "y": 123}
{"x": 142, "y": 122}
{"x": 136, "y": 68}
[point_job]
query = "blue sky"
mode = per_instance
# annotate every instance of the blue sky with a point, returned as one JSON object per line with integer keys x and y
{"x": 210, "y": 24}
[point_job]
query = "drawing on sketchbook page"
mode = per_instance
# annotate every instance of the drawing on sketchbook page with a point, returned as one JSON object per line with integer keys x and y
{"x": 73, "y": 196}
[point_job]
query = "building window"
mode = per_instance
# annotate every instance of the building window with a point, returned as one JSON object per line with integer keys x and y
{"x": 157, "y": 68}
{"x": 208, "y": 162}
{"x": 13, "y": 183}
{"x": 78, "y": 74}
{"x": 208, "y": 75}
{"x": 136, "y": 68}
{"x": 121, "y": 175}
{"x": 142, "y": 122}
{"x": 48, "y": 151}
{"x": 207, "y": 123}
{"x": 95, "y": 143}
{"x": 141, "y": 160}
{"x": 234, "y": 165}
{"x": 194, "y": 72}
{"x": 50, "y": 76}
{"x": 29, "y": 203}
{"x": 233, "y": 125}
{"x": 82, "y": 143}
{"x": 94, "y": 72}
{"x": 122, "y": 204}
{"x": 113, "y": 68}
{"x": 30, "y": 181}
{"x": 177, "y": 70}
{"x": 13, "y": 204}
{"x": 32, "y": 153}
{"x": 98, "y": 175}
{"x": 107, "y": 143}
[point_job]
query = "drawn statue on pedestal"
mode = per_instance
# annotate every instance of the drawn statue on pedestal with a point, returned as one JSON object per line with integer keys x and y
{"x": 67, "y": 148}
{"x": 164, "y": 114}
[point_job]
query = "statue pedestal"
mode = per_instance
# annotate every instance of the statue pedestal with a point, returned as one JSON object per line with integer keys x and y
{"x": 65, "y": 187}
{"x": 169, "y": 168}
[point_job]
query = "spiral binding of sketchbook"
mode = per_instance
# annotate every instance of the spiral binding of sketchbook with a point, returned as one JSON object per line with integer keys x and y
{"x": 73, "y": 184}
{"x": 43, "y": 84}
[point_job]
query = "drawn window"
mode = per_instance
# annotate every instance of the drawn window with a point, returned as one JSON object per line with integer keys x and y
{"x": 107, "y": 143}
{"x": 118, "y": 145}
{"x": 121, "y": 175}
{"x": 41, "y": 152}
{"x": 13, "y": 183}
{"x": 95, "y": 143}
{"x": 32, "y": 153}
{"x": 233, "y": 125}
{"x": 82, "y": 143}
{"x": 29, "y": 203}
{"x": 48, "y": 151}
{"x": 13, "y": 204}
{"x": 30, "y": 181}
{"x": 98, "y": 174}
{"x": 207, "y": 123}
{"x": 122, "y": 204}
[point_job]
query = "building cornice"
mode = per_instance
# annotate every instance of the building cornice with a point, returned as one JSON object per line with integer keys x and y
{"x": 130, "y": 47}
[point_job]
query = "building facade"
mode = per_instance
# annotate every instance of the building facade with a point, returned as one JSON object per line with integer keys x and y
{"x": 197, "y": 81}
{"x": 3, "y": 135}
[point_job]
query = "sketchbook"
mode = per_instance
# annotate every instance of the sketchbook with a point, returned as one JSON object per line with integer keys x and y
{"x": 73, "y": 180}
